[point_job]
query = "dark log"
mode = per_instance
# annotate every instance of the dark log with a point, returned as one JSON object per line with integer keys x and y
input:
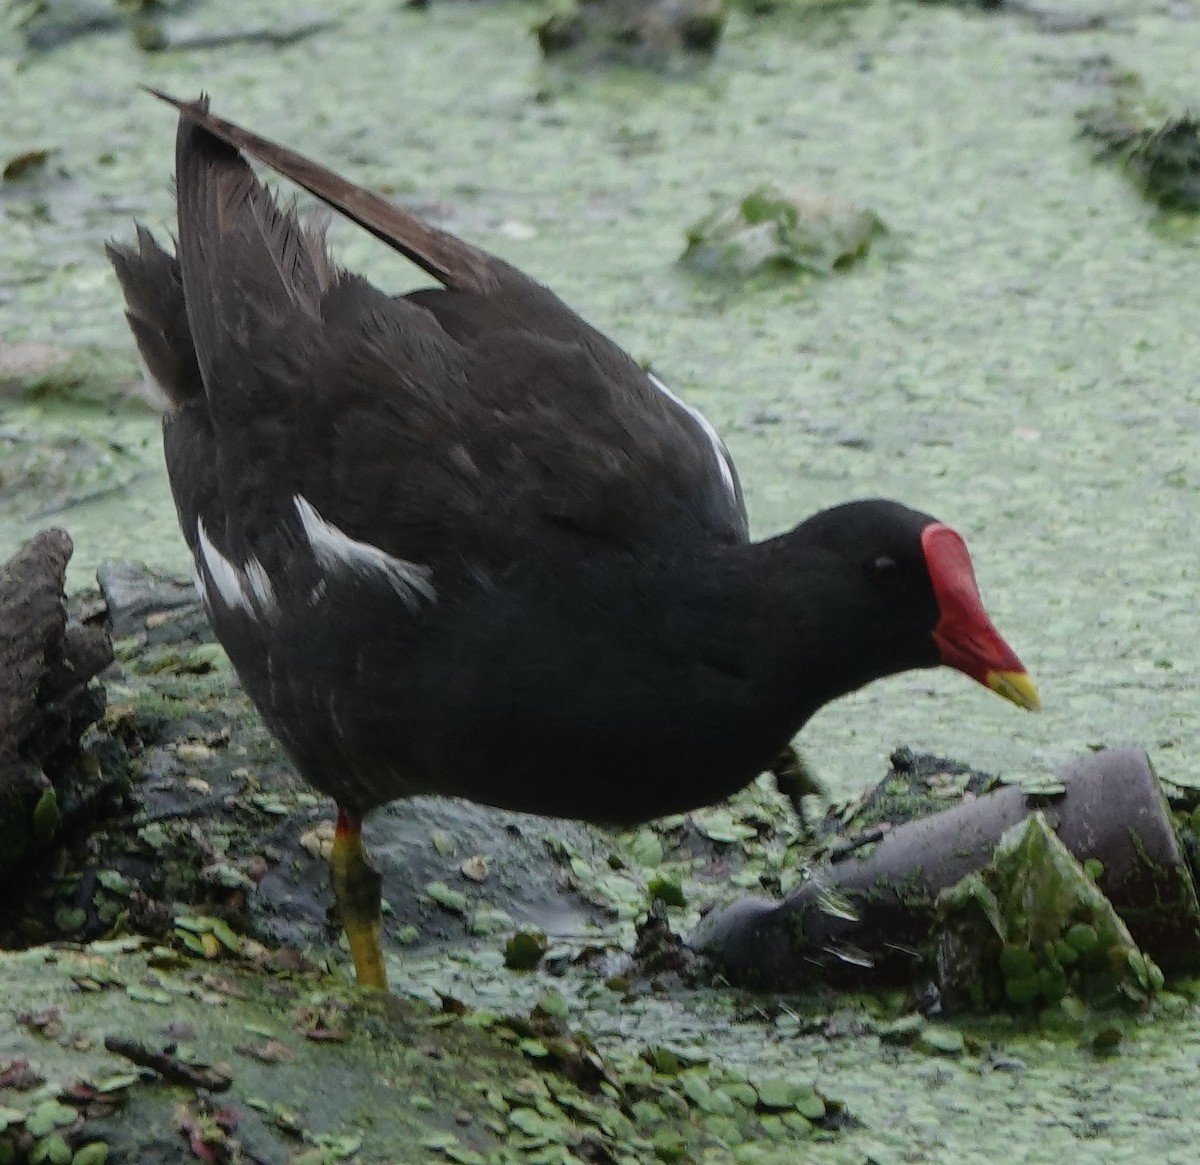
{"x": 47, "y": 698}
{"x": 867, "y": 921}
{"x": 33, "y": 616}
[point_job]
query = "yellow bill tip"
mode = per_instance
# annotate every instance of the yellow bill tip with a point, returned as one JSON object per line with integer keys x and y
{"x": 1017, "y": 686}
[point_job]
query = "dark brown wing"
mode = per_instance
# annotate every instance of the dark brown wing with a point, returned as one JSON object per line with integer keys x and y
{"x": 458, "y": 423}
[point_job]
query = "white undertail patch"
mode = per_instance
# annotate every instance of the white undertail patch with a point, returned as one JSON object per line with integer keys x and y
{"x": 724, "y": 462}
{"x": 334, "y": 549}
{"x": 151, "y": 391}
{"x": 247, "y": 587}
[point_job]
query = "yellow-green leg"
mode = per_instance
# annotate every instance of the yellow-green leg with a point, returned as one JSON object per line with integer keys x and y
{"x": 357, "y": 886}
{"x": 795, "y": 780}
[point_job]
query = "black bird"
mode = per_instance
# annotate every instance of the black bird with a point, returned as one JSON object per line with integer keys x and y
{"x": 459, "y": 542}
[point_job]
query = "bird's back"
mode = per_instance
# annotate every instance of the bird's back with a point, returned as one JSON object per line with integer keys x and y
{"x": 368, "y": 484}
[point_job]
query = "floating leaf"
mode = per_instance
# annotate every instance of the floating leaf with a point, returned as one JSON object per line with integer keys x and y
{"x": 647, "y": 848}
{"x": 721, "y": 826}
{"x": 48, "y": 1116}
{"x": 810, "y": 1104}
{"x": 224, "y": 934}
{"x": 705, "y": 1094}
{"x": 941, "y": 1041}
{"x": 1040, "y": 785}
{"x": 529, "y": 1121}
{"x": 338, "y": 1147}
{"x": 192, "y": 942}
{"x": 669, "y": 1145}
{"x": 52, "y": 1150}
{"x": 776, "y": 1094}
{"x": 140, "y": 993}
{"x": 154, "y": 836}
{"x": 553, "y": 1004}
{"x": 94, "y": 1153}
{"x": 114, "y": 882}
{"x": 452, "y": 900}
{"x": 269, "y": 803}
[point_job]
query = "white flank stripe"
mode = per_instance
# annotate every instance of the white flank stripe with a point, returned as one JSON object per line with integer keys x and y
{"x": 334, "y": 548}
{"x": 247, "y": 587}
{"x": 200, "y": 584}
{"x": 260, "y": 585}
{"x": 717, "y": 445}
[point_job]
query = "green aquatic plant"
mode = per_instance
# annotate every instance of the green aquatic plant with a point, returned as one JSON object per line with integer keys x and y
{"x": 1163, "y": 158}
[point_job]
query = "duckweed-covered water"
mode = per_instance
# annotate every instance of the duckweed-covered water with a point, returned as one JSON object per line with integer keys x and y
{"x": 1020, "y": 361}
{"x": 1019, "y": 357}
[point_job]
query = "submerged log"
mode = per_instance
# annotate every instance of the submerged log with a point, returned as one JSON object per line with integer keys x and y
{"x": 868, "y": 918}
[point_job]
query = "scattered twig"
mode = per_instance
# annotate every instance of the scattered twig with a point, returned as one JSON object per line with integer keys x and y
{"x": 170, "y": 1068}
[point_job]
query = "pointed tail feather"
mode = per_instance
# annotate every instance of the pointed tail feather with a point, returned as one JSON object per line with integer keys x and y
{"x": 154, "y": 306}
{"x": 452, "y": 262}
{"x": 252, "y": 275}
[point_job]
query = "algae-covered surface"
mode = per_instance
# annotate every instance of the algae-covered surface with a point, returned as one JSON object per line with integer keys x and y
{"x": 1019, "y": 359}
{"x": 260, "y": 1051}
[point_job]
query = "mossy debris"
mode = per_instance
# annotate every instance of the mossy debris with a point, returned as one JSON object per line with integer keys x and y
{"x": 775, "y": 231}
{"x": 1033, "y": 930}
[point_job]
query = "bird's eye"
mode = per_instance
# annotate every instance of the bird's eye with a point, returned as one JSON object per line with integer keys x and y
{"x": 885, "y": 571}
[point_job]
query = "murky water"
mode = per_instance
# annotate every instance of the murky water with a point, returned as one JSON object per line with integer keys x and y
{"x": 1020, "y": 359}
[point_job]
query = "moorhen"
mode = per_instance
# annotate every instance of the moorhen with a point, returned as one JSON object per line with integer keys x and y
{"x": 459, "y": 542}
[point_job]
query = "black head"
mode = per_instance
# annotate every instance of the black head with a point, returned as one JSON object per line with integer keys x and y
{"x": 902, "y": 594}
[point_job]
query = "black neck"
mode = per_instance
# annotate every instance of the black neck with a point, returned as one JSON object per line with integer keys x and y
{"x": 737, "y": 646}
